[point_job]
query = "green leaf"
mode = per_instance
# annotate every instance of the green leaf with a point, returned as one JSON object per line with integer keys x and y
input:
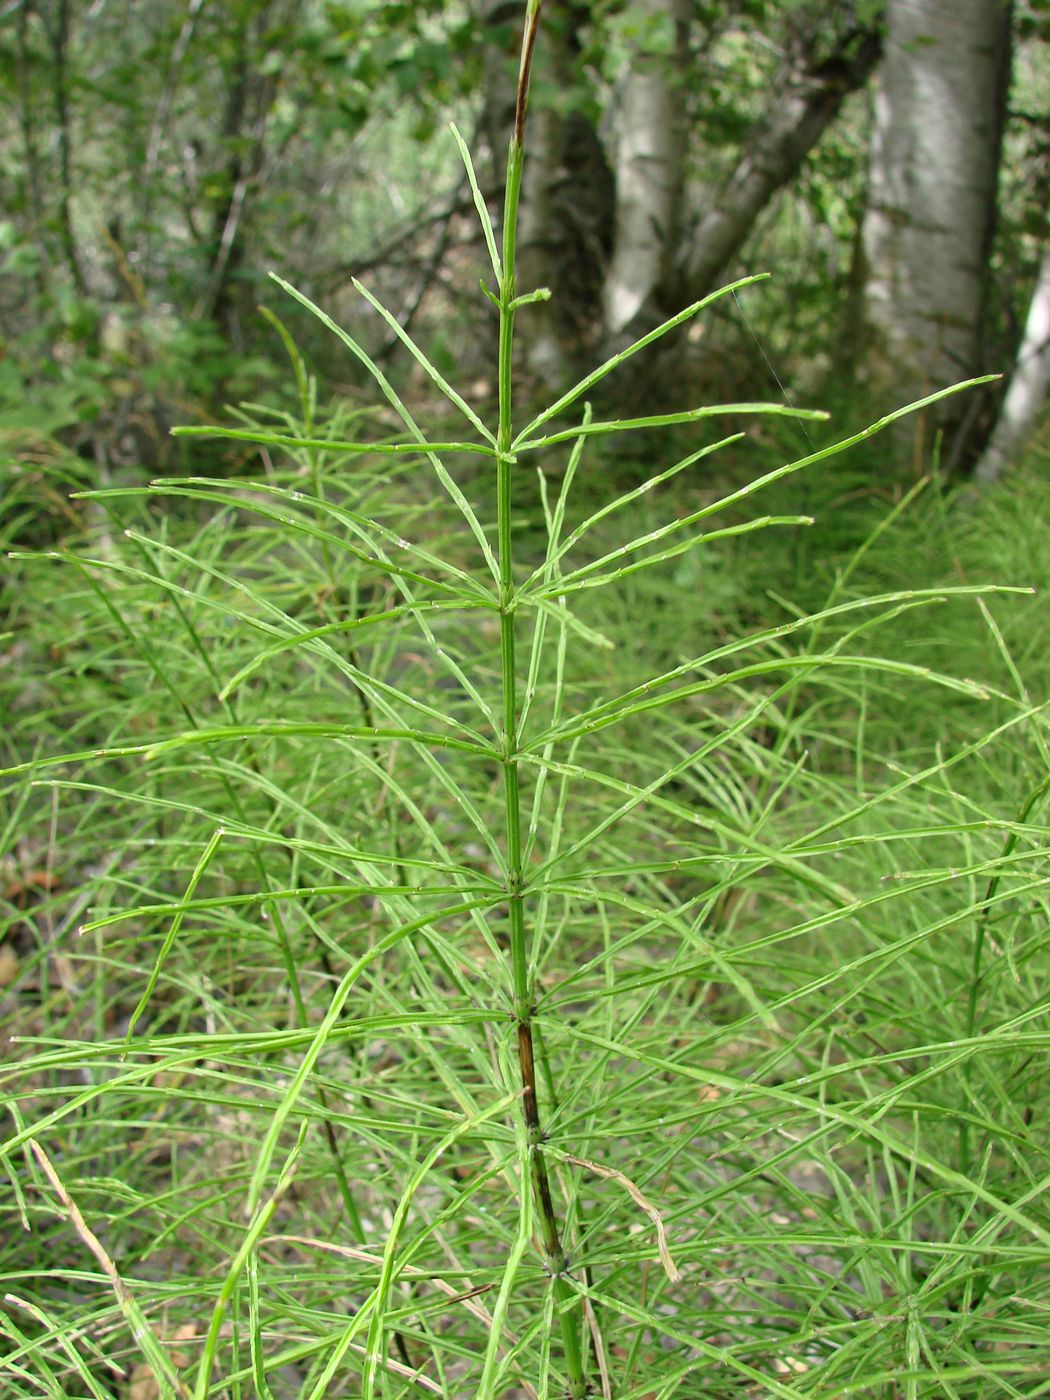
{"x": 479, "y": 204}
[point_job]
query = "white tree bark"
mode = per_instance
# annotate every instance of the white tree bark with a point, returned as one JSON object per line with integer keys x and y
{"x": 1029, "y": 384}
{"x": 648, "y": 166}
{"x": 931, "y": 200}
{"x": 806, "y": 96}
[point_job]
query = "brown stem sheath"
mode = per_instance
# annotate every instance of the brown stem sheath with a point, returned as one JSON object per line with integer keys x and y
{"x": 541, "y": 1182}
{"x": 527, "y": 48}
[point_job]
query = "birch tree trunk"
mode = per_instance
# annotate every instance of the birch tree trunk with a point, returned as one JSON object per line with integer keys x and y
{"x": 932, "y": 186}
{"x": 806, "y": 97}
{"x": 648, "y": 168}
{"x": 1029, "y": 384}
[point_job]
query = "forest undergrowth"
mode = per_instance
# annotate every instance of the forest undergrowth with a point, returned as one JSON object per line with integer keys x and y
{"x": 467, "y": 932}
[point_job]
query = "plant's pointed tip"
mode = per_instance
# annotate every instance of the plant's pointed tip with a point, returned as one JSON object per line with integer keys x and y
{"x": 736, "y": 286}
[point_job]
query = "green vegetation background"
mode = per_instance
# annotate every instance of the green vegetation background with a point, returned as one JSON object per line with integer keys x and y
{"x": 791, "y": 977}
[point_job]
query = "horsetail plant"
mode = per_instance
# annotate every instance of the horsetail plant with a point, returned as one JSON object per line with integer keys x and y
{"x": 505, "y": 1014}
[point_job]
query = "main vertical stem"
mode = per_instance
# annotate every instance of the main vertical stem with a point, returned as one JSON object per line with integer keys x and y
{"x": 553, "y": 1249}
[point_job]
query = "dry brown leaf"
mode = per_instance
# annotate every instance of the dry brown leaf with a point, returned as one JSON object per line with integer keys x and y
{"x": 142, "y": 1384}
{"x": 17, "y": 889}
{"x": 8, "y": 965}
{"x": 670, "y": 1267}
